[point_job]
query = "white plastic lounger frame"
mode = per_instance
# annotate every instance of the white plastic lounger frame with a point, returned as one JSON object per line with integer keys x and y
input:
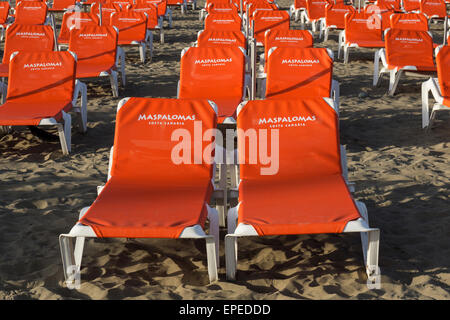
{"x": 431, "y": 85}
{"x": 296, "y": 12}
{"x": 72, "y": 255}
{"x": 305, "y": 19}
{"x": 370, "y": 237}
{"x": 334, "y": 91}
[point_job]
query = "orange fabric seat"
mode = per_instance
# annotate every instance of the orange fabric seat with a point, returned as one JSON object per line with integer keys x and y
{"x": 315, "y": 9}
{"x": 150, "y": 10}
{"x": 261, "y": 203}
{"x": 62, "y": 5}
{"x": 149, "y": 196}
{"x": 223, "y": 21}
{"x": 222, "y": 7}
{"x": 409, "y": 21}
{"x": 30, "y": 114}
{"x": 298, "y": 72}
{"x": 108, "y": 8}
{"x": 409, "y": 48}
{"x": 161, "y": 5}
{"x": 213, "y": 38}
{"x": 216, "y": 74}
{"x": 265, "y": 20}
{"x": 434, "y": 8}
{"x": 26, "y": 38}
{"x": 335, "y": 14}
{"x": 4, "y": 11}
{"x": 75, "y": 20}
{"x": 411, "y": 5}
{"x": 307, "y": 194}
{"x": 132, "y": 26}
{"x": 30, "y": 12}
{"x": 364, "y": 30}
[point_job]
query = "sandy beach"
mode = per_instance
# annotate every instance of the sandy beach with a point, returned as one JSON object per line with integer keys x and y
{"x": 401, "y": 173}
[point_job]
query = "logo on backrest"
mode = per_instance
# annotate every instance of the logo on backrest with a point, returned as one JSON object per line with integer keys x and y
{"x": 91, "y": 35}
{"x": 409, "y": 39}
{"x": 42, "y": 65}
{"x": 166, "y": 119}
{"x": 300, "y": 62}
{"x": 284, "y": 122}
{"x": 289, "y": 39}
{"x": 221, "y": 40}
{"x": 30, "y": 34}
{"x": 213, "y": 62}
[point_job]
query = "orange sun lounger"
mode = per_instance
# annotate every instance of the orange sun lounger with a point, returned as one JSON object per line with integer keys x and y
{"x": 406, "y": 51}
{"x": 223, "y": 21}
{"x": 75, "y": 19}
{"x": 315, "y": 11}
{"x": 25, "y": 38}
{"x": 154, "y": 22}
{"x": 133, "y": 31}
{"x": 216, "y": 74}
{"x": 164, "y": 11}
{"x": 98, "y": 54}
{"x": 409, "y": 6}
{"x": 31, "y": 12}
{"x": 218, "y": 6}
{"x": 41, "y": 92}
{"x": 220, "y": 38}
{"x": 297, "y": 8}
{"x": 108, "y": 9}
{"x": 305, "y": 192}
{"x": 334, "y": 18}
{"x": 5, "y": 19}
{"x": 362, "y": 29}
{"x": 300, "y": 73}
{"x": 409, "y": 21}
{"x": 284, "y": 38}
{"x": 434, "y": 9}
{"x": 148, "y": 194}
{"x": 439, "y": 88}
{"x": 265, "y": 20}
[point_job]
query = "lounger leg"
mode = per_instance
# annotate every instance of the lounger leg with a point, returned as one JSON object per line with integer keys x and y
{"x": 64, "y": 132}
{"x": 142, "y": 51}
{"x": 70, "y": 267}
{"x": 83, "y": 107}
{"x": 213, "y": 217}
{"x": 376, "y": 68}
{"x": 232, "y": 220}
{"x": 425, "y": 104}
{"x": 335, "y": 90}
{"x": 231, "y": 256}
{"x": 122, "y": 66}
{"x": 223, "y": 187}
{"x": 394, "y": 77}
{"x": 114, "y": 83}
{"x": 346, "y": 53}
{"x": 433, "y": 115}
{"x": 211, "y": 258}
{"x": 371, "y": 259}
{"x": 161, "y": 35}
{"x": 169, "y": 11}
{"x": 340, "y": 44}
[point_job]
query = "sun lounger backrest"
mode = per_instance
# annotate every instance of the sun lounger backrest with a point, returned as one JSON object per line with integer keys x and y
{"x": 223, "y": 21}
{"x": 261, "y": 6}
{"x": 222, "y": 7}
{"x": 384, "y": 10}
{"x": 28, "y": 38}
{"x": 362, "y": 26}
{"x": 308, "y": 138}
{"x": 4, "y": 11}
{"x": 131, "y": 25}
{"x": 300, "y": 4}
{"x": 443, "y": 70}
{"x": 335, "y": 14}
{"x": 409, "y": 21}
{"x": 107, "y": 9}
{"x": 219, "y": 38}
{"x": 63, "y": 4}
{"x": 212, "y": 72}
{"x": 411, "y": 5}
{"x": 409, "y": 48}
{"x": 287, "y": 38}
{"x": 76, "y": 20}
{"x": 390, "y": 4}
{"x": 270, "y": 20}
{"x": 41, "y": 77}
{"x": 31, "y": 12}
{"x": 298, "y": 72}
{"x": 433, "y": 8}
{"x": 96, "y": 44}
{"x": 145, "y": 142}
{"x": 316, "y": 9}
{"x": 152, "y": 13}
{"x": 161, "y": 5}
{"x": 122, "y": 3}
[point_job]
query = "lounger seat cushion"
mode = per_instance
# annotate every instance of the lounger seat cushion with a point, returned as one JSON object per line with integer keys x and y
{"x": 29, "y": 114}
{"x": 296, "y": 206}
{"x": 127, "y": 208}
{"x": 92, "y": 70}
